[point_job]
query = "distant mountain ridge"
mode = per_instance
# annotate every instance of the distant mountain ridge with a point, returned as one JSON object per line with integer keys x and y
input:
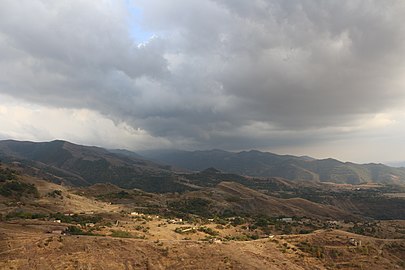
{"x": 265, "y": 164}
{"x": 86, "y": 165}
{"x": 78, "y": 165}
{"x": 396, "y": 164}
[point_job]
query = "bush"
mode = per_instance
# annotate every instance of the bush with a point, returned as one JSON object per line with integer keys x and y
{"x": 220, "y": 221}
{"x": 208, "y": 231}
{"x": 139, "y": 227}
{"x": 121, "y": 234}
{"x": 253, "y": 236}
{"x": 261, "y": 222}
{"x": 238, "y": 221}
{"x": 55, "y": 193}
{"x": 73, "y": 230}
{"x": 314, "y": 250}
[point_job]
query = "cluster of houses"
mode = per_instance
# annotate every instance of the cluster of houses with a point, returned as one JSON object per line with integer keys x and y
{"x": 136, "y": 214}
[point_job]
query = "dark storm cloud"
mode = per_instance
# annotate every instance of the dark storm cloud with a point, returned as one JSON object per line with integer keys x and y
{"x": 218, "y": 73}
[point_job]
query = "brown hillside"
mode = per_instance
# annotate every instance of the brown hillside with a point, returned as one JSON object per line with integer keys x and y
{"x": 234, "y": 196}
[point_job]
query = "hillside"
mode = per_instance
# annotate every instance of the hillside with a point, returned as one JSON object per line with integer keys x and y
{"x": 86, "y": 165}
{"x": 44, "y": 225}
{"x": 72, "y": 164}
{"x": 264, "y": 164}
{"x": 46, "y": 251}
{"x": 236, "y": 198}
{"x": 376, "y": 201}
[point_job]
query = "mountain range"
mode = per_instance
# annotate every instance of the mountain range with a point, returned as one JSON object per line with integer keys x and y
{"x": 263, "y": 164}
{"x": 62, "y": 161}
{"x": 77, "y": 165}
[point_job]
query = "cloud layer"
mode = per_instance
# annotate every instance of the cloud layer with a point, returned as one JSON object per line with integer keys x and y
{"x": 232, "y": 74}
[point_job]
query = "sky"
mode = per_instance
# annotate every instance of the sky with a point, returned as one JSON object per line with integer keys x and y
{"x": 304, "y": 77}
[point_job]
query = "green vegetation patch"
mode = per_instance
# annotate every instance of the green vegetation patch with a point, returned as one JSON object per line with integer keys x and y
{"x": 314, "y": 250}
{"x": 121, "y": 234}
{"x": 115, "y": 195}
{"x": 208, "y": 231}
{"x": 55, "y": 193}
{"x": 74, "y": 230}
{"x": 24, "y": 215}
{"x": 76, "y": 219}
{"x": 196, "y": 206}
{"x": 79, "y": 219}
{"x": 7, "y": 174}
{"x": 18, "y": 189}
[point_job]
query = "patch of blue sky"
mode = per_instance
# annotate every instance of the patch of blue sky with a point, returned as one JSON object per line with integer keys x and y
{"x": 137, "y": 33}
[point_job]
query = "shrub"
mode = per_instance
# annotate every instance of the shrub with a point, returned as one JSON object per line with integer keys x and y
{"x": 261, "y": 222}
{"x": 139, "y": 227}
{"x": 253, "y": 236}
{"x": 73, "y": 230}
{"x": 208, "y": 231}
{"x": 238, "y": 221}
{"x": 55, "y": 193}
{"x": 121, "y": 234}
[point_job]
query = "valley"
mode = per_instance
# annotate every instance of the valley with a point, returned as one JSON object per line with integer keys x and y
{"x": 202, "y": 135}
{"x": 189, "y": 218}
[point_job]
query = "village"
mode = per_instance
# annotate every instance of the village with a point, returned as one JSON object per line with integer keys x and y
{"x": 152, "y": 227}
{"x": 325, "y": 241}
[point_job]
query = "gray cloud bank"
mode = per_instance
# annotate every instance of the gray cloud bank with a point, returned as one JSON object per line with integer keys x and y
{"x": 218, "y": 73}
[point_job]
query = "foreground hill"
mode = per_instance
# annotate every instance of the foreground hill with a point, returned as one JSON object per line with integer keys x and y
{"x": 28, "y": 247}
{"x": 31, "y": 248}
{"x": 264, "y": 164}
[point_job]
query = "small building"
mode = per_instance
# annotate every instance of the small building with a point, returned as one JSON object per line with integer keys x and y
{"x": 187, "y": 230}
{"x": 286, "y": 219}
{"x": 216, "y": 241}
{"x": 354, "y": 242}
{"x": 175, "y": 221}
